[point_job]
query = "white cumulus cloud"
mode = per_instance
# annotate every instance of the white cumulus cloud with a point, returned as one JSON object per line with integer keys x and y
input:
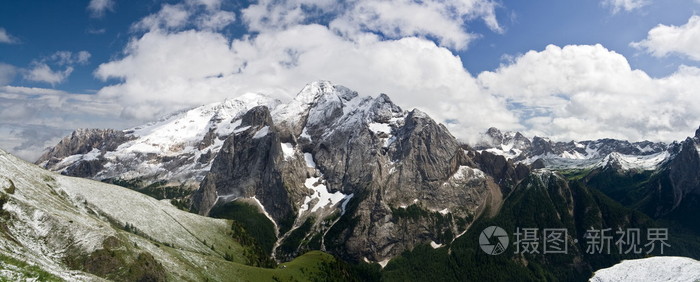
{"x": 588, "y": 91}
{"x": 663, "y": 40}
{"x": 5, "y": 37}
{"x": 32, "y": 119}
{"x": 444, "y": 20}
{"x": 41, "y": 72}
{"x": 7, "y": 73}
{"x": 202, "y": 14}
{"x": 97, "y": 8}
{"x": 70, "y": 58}
{"x": 55, "y": 69}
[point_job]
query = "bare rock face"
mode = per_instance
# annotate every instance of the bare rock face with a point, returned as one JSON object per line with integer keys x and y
{"x": 251, "y": 164}
{"x": 684, "y": 175}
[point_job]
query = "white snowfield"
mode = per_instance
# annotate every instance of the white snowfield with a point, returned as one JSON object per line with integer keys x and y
{"x": 680, "y": 269}
{"x": 55, "y": 216}
{"x": 627, "y": 162}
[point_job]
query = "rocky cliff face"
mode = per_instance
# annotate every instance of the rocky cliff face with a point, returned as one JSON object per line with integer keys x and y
{"x": 683, "y": 171}
{"x": 251, "y": 163}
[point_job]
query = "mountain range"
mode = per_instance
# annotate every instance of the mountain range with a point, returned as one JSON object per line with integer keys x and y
{"x": 389, "y": 192}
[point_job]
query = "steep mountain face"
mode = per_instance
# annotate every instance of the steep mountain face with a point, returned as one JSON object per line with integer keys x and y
{"x": 250, "y": 164}
{"x": 343, "y": 171}
{"x": 575, "y": 154}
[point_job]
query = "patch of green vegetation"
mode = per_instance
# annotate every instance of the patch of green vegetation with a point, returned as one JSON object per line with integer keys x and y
{"x": 10, "y": 189}
{"x": 118, "y": 261}
{"x": 183, "y": 204}
{"x": 338, "y": 234}
{"x": 441, "y": 223}
{"x": 250, "y": 220}
{"x": 575, "y": 174}
{"x": 413, "y": 212}
{"x": 312, "y": 266}
{"x": 290, "y": 244}
{"x": 133, "y": 184}
{"x": 160, "y": 191}
{"x": 367, "y": 272}
{"x": 28, "y": 271}
{"x": 48, "y": 179}
{"x": 629, "y": 188}
{"x": 180, "y": 196}
{"x": 255, "y": 255}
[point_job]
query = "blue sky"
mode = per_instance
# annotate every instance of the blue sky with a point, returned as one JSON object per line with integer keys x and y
{"x": 476, "y": 63}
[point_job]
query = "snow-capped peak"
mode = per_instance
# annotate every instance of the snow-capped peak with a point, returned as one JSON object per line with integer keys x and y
{"x": 314, "y": 90}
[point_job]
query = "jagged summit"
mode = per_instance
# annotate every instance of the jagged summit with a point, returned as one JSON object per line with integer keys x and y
{"x": 313, "y": 91}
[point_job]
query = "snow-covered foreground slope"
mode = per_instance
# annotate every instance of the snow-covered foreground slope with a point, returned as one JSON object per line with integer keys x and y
{"x": 61, "y": 223}
{"x": 679, "y": 269}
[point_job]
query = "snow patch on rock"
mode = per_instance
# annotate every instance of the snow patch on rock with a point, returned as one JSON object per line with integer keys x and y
{"x": 288, "y": 150}
{"x": 435, "y": 245}
{"x": 262, "y": 132}
{"x": 628, "y": 162}
{"x": 262, "y": 208}
{"x": 309, "y": 160}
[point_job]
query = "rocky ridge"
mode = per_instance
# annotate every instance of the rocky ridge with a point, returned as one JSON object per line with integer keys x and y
{"x": 643, "y": 155}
